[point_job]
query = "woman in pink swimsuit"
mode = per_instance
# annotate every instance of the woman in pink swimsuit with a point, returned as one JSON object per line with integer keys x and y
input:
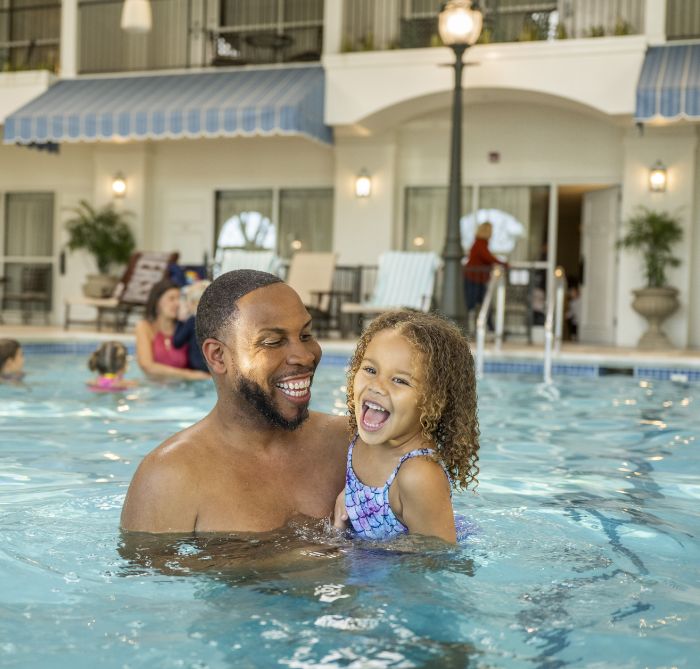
{"x": 155, "y": 352}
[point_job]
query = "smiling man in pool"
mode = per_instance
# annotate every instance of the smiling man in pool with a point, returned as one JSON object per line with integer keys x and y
{"x": 259, "y": 460}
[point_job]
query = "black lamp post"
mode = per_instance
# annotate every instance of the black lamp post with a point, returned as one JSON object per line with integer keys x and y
{"x": 459, "y": 26}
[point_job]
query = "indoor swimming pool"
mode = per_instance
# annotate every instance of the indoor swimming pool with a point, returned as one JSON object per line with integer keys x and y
{"x": 584, "y": 551}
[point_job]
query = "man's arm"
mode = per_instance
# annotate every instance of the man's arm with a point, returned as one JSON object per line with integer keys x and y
{"x": 162, "y": 495}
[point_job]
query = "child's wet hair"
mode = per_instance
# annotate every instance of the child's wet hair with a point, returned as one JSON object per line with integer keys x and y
{"x": 109, "y": 358}
{"x": 8, "y": 350}
{"x": 447, "y": 400}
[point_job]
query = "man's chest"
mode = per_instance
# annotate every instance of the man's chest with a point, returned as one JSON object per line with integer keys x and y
{"x": 263, "y": 499}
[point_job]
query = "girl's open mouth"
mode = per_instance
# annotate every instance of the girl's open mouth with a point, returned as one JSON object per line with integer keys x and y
{"x": 373, "y": 416}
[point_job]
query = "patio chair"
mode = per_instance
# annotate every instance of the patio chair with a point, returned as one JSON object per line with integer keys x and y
{"x": 34, "y": 291}
{"x": 145, "y": 269}
{"x": 228, "y": 259}
{"x": 311, "y": 275}
{"x": 405, "y": 279}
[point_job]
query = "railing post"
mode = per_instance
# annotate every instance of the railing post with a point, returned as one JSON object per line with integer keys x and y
{"x": 655, "y": 21}
{"x": 332, "y": 26}
{"x": 559, "y": 309}
{"x": 69, "y": 39}
{"x": 500, "y": 308}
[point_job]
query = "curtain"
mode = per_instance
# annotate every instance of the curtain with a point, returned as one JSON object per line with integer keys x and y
{"x": 426, "y": 216}
{"x": 515, "y": 201}
{"x": 29, "y": 224}
{"x": 306, "y": 220}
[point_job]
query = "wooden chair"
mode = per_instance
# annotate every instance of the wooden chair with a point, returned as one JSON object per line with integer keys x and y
{"x": 145, "y": 269}
{"x": 34, "y": 290}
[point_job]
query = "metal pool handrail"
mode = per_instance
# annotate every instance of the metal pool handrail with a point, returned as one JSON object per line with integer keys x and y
{"x": 496, "y": 284}
{"x": 553, "y": 322}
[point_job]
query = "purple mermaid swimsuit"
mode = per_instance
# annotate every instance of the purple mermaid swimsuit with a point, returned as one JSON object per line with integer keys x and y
{"x": 368, "y": 507}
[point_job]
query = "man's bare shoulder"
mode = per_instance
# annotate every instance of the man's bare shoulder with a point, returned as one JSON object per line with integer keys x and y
{"x": 329, "y": 427}
{"x": 163, "y": 494}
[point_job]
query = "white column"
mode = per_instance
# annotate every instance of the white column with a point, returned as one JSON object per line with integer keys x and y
{"x": 332, "y": 26}
{"x": 69, "y": 39}
{"x": 655, "y": 21}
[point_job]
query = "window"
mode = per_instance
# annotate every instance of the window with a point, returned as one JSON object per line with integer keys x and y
{"x": 244, "y": 220}
{"x": 298, "y": 219}
{"x": 519, "y": 217}
{"x": 28, "y": 247}
{"x": 426, "y": 217}
{"x": 306, "y": 220}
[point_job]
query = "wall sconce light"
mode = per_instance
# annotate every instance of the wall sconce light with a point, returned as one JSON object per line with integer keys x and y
{"x": 363, "y": 184}
{"x": 136, "y": 16}
{"x": 658, "y": 177}
{"x": 119, "y": 185}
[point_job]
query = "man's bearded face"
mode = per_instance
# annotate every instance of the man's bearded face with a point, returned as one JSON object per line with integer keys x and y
{"x": 263, "y": 403}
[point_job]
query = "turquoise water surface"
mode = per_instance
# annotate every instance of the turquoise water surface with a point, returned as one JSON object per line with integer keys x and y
{"x": 586, "y": 552}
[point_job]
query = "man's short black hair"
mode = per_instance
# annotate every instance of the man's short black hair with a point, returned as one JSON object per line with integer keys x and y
{"x": 219, "y": 303}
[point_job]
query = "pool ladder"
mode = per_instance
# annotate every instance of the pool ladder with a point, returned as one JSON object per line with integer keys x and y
{"x": 553, "y": 323}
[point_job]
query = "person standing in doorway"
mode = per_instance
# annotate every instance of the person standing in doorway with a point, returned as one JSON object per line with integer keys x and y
{"x": 477, "y": 271}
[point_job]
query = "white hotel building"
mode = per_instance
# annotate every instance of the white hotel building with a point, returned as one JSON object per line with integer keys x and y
{"x": 228, "y": 106}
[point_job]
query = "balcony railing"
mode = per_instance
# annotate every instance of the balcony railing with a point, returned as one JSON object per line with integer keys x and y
{"x": 186, "y": 34}
{"x": 406, "y": 24}
{"x": 30, "y": 36}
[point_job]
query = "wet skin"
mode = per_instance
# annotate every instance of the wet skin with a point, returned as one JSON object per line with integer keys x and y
{"x": 235, "y": 471}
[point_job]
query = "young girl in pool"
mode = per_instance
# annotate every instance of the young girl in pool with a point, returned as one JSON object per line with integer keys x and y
{"x": 109, "y": 361}
{"x": 412, "y": 404}
{"x": 11, "y": 360}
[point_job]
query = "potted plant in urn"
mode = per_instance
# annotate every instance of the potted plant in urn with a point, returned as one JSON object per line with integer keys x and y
{"x": 106, "y": 235}
{"x": 653, "y": 233}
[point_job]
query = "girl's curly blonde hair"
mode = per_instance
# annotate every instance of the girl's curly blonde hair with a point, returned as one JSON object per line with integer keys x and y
{"x": 447, "y": 398}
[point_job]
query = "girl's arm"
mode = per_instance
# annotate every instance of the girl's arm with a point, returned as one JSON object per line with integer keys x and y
{"x": 144, "y": 357}
{"x": 424, "y": 505}
{"x": 340, "y": 513}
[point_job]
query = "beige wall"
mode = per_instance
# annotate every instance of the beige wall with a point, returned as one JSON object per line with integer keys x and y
{"x": 676, "y": 147}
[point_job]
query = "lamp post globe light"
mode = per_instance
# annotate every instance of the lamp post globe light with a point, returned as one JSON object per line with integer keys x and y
{"x": 459, "y": 25}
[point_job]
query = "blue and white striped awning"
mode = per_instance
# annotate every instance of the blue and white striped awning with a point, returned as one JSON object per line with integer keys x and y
{"x": 669, "y": 85}
{"x": 275, "y": 101}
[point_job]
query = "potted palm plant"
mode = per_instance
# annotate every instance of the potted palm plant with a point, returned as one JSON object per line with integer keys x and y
{"x": 106, "y": 235}
{"x": 653, "y": 233}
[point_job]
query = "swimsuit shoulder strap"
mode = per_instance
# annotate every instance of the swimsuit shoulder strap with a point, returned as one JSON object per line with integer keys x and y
{"x": 407, "y": 456}
{"x": 350, "y": 449}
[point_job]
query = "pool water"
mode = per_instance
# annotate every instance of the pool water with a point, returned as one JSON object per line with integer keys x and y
{"x": 586, "y": 552}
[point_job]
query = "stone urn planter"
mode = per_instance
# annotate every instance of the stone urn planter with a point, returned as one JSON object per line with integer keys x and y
{"x": 653, "y": 234}
{"x": 656, "y": 305}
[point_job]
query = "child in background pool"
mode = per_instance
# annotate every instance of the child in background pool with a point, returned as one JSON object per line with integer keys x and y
{"x": 412, "y": 403}
{"x": 185, "y": 334}
{"x": 109, "y": 361}
{"x": 11, "y": 360}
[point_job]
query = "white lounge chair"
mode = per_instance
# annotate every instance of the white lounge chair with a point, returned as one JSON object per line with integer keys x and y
{"x": 311, "y": 275}
{"x": 229, "y": 259}
{"x": 405, "y": 279}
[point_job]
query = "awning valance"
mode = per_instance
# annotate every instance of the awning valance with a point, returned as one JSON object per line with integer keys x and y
{"x": 669, "y": 85}
{"x": 279, "y": 101}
